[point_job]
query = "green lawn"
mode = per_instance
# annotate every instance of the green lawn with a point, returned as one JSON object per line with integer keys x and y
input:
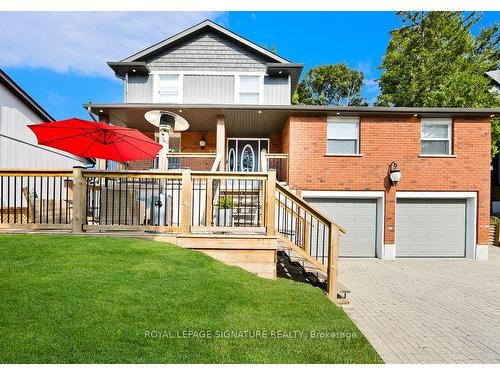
{"x": 100, "y": 300}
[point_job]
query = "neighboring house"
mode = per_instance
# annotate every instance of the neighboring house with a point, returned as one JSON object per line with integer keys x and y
{"x": 495, "y": 80}
{"x": 338, "y": 158}
{"x": 18, "y": 144}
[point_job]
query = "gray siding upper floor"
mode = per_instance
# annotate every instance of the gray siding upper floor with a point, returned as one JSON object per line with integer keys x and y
{"x": 139, "y": 89}
{"x": 208, "y": 66}
{"x": 208, "y": 52}
{"x": 18, "y": 145}
{"x": 208, "y": 89}
{"x": 277, "y": 90}
{"x": 204, "y": 89}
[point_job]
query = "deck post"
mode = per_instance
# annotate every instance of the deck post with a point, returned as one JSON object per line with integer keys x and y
{"x": 209, "y": 206}
{"x": 186, "y": 201}
{"x": 221, "y": 142}
{"x": 79, "y": 200}
{"x": 270, "y": 203}
{"x": 333, "y": 253}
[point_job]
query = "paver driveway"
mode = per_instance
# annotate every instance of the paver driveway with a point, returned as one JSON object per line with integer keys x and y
{"x": 427, "y": 310}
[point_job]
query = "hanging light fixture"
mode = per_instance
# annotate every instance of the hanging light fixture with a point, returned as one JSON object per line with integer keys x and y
{"x": 203, "y": 143}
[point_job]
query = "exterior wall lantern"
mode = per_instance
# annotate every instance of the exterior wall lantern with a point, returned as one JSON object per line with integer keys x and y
{"x": 203, "y": 143}
{"x": 394, "y": 173}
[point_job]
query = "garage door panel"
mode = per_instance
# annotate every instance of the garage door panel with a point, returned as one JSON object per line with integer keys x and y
{"x": 430, "y": 227}
{"x": 358, "y": 217}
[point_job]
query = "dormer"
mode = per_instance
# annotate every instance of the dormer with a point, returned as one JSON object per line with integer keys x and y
{"x": 207, "y": 64}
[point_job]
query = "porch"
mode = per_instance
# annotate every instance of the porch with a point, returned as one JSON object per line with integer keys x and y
{"x": 240, "y": 218}
{"x": 217, "y": 139}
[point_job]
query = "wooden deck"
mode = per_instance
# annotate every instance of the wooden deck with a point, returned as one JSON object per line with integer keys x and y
{"x": 180, "y": 207}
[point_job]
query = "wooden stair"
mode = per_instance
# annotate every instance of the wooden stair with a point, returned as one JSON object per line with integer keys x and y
{"x": 313, "y": 272}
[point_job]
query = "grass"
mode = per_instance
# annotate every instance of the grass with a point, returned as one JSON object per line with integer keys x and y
{"x": 93, "y": 300}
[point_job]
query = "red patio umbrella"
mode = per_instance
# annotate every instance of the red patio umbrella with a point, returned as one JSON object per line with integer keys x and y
{"x": 90, "y": 139}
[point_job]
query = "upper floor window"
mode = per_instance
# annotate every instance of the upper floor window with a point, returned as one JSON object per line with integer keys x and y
{"x": 343, "y": 136}
{"x": 249, "y": 89}
{"x": 168, "y": 88}
{"x": 435, "y": 137}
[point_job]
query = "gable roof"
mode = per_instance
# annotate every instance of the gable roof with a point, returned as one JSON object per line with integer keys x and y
{"x": 202, "y": 27}
{"x": 15, "y": 89}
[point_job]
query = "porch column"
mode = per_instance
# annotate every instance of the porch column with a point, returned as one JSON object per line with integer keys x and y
{"x": 221, "y": 142}
{"x": 101, "y": 163}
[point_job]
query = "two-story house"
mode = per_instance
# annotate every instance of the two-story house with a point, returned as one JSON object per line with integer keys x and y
{"x": 236, "y": 98}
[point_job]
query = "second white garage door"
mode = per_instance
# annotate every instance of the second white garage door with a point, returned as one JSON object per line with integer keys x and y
{"x": 430, "y": 227}
{"x": 358, "y": 217}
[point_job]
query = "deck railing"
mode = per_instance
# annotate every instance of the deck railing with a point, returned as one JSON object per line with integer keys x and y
{"x": 35, "y": 199}
{"x": 310, "y": 233}
{"x": 197, "y": 161}
{"x": 276, "y": 162}
{"x": 180, "y": 201}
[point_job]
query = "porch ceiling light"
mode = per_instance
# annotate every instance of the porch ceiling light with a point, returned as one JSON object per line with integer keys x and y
{"x": 394, "y": 173}
{"x": 203, "y": 143}
{"x": 168, "y": 121}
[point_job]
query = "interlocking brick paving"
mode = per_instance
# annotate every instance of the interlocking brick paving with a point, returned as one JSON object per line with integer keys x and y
{"x": 427, "y": 310}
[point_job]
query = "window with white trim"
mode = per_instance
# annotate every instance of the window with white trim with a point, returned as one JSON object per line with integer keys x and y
{"x": 168, "y": 88}
{"x": 249, "y": 89}
{"x": 342, "y": 136}
{"x": 435, "y": 137}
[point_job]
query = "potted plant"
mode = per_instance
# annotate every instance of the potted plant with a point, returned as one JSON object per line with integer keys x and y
{"x": 224, "y": 215}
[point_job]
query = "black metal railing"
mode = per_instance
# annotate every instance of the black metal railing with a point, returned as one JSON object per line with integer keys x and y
{"x": 133, "y": 201}
{"x": 36, "y": 198}
{"x": 300, "y": 225}
{"x": 225, "y": 202}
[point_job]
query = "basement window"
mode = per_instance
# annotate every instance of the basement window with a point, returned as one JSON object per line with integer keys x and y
{"x": 435, "y": 137}
{"x": 342, "y": 136}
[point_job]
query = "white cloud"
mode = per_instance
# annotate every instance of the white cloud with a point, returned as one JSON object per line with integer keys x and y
{"x": 83, "y": 42}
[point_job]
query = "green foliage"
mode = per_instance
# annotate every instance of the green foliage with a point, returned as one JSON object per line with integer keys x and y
{"x": 92, "y": 300}
{"x": 225, "y": 202}
{"x": 434, "y": 60}
{"x": 335, "y": 84}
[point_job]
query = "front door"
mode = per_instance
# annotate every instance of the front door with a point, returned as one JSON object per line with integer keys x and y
{"x": 243, "y": 154}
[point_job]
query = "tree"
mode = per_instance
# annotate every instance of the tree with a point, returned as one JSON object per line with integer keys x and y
{"x": 335, "y": 84}
{"x": 434, "y": 60}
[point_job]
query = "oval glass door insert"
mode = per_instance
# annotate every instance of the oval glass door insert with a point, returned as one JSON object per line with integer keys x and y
{"x": 247, "y": 159}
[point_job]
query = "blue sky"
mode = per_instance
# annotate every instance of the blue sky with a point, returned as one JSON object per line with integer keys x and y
{"x": 60, "y": 58}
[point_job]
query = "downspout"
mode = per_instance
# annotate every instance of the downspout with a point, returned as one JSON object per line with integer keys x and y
{"x": 125, "y": 86}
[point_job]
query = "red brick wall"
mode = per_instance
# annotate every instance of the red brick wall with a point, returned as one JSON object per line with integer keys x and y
{"x": 383, "y": 140}
{"x": 190, "y": 142}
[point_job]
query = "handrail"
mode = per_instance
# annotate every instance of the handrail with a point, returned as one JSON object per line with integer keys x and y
{"x": 191, "y": 155}
{"x": 317, "y": 242}
{"x": 35, "y": 172}
{"x": 276, "y": 156}
{"x": 307, "y": 206}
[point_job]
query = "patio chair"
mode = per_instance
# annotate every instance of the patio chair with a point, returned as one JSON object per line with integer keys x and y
{"x": 47, "y": 211}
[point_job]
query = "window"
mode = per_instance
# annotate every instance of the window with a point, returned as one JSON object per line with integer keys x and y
{"x": 435, "y": 137}
{"x": 343, "y": 136}
{"x": 168, "y": 88}
{"x": 249, "y": 90}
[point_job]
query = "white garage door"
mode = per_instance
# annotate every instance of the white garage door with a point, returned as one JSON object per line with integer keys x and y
{"x": 358, "y": 217}
{"x": 430, "y": 227}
